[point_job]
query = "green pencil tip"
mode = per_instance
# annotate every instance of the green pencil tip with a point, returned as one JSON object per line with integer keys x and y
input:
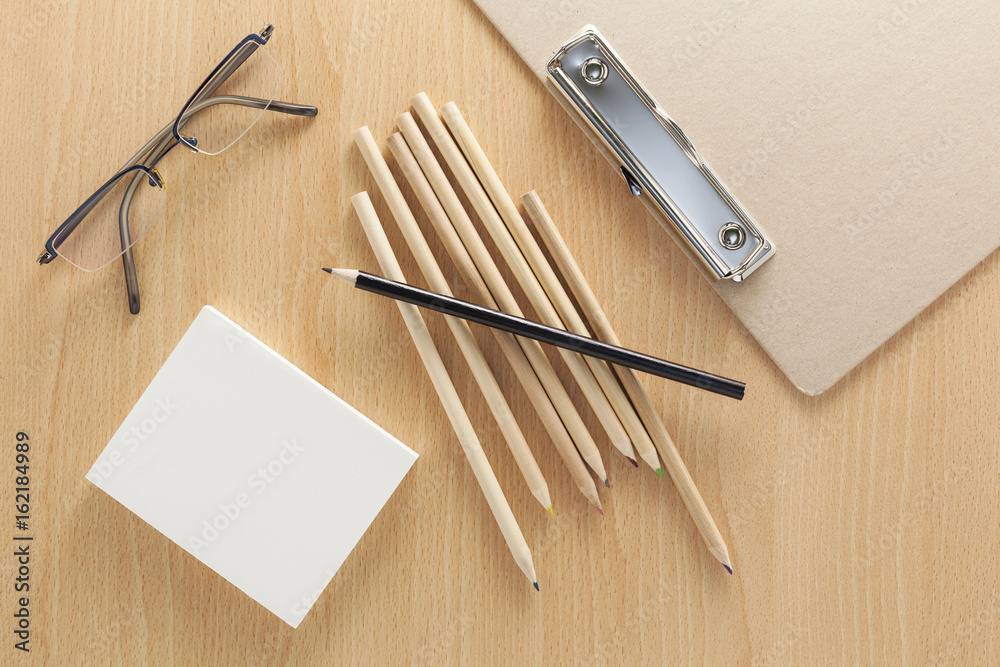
{"x": 659, "y": 471}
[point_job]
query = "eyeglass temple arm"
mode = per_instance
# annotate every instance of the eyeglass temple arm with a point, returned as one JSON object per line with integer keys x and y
{"x": 158, "y": 147}
{"x": 252, "y": 102}
{"x": 234, "y": 63}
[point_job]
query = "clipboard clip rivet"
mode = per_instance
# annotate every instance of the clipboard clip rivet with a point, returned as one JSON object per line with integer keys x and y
{"x": 732, "y": 236}
{"x": 594, "y": 71}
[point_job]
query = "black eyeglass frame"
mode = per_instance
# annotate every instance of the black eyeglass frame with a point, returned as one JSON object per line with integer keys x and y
{"x": 160, "y": 145}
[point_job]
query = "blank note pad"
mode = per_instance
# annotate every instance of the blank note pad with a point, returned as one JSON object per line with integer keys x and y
{"x": 251, "y": 466}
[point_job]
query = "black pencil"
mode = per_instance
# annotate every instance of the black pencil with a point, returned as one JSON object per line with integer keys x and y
{"x": 540, "y": 332}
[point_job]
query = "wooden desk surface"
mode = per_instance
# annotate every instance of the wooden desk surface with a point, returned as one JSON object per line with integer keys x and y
{"x": 863, "y": 524}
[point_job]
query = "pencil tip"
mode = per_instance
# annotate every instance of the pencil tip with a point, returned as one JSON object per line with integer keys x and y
{"x": 607, "y": 483}
{"x": 632, "y": 461}
{"x": 536, "y": 585}
{"x": 659, "y": 471}
{"x": 330, "y": 271}
{"x": 601, "y": 511}
{"x": 728, "y": 568}
{"x": 551, "y": 513}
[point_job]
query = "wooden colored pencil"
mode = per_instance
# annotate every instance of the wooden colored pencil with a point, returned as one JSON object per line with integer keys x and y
{"x": 472, "y": 243}
{"x": 463, "y": 335}
{"x": 602, "y": 328}
{"x": 640, "y": 436}
{"x": 567, "y": 312}
{"x": 508, "y": 344}
{"x": 522, "y": 272}
{"x": 447, "y": 393}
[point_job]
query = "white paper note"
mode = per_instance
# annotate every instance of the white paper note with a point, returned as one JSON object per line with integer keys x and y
{"x": 251, "y": 466}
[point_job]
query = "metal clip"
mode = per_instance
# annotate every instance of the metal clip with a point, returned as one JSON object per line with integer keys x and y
{"x": 657, "y": 160}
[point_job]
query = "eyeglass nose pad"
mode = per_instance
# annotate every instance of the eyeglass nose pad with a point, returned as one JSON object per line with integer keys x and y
{"x": 156, "y": 180}
{"x": 191, "y": 143}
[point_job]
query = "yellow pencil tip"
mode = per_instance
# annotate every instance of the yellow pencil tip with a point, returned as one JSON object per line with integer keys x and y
{"x": 550, "y": 510}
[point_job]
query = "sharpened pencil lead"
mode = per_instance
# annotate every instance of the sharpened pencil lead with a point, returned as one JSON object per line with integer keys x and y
{"x": 728, "y": 568}
{"x": 551, "y": 513}
{"x": 659, "y": 471}
{"x": 601, "y": 511}
{"x": 536, "y": 585}
{"x": 607, "y": 483}
{"x": 349, "y": 276}
{"x": 632, "y": 461}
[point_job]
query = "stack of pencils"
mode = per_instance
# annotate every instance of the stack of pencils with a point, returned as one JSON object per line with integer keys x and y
{"x": 613, "y": 390}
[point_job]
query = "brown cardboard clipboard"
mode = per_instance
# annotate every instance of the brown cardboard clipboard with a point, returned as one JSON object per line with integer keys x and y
{"x": 861, "y": 136}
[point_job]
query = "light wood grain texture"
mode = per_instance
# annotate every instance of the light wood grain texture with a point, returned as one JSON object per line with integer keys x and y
{"x": 862, "y": 524}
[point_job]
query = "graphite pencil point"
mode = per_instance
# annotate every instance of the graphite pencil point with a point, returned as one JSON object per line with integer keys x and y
{"x": 607, "y": 483}
{"x": 536, "y": 585}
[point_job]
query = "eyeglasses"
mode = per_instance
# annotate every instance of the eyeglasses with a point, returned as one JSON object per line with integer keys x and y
{"x": 220, "y": 112}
